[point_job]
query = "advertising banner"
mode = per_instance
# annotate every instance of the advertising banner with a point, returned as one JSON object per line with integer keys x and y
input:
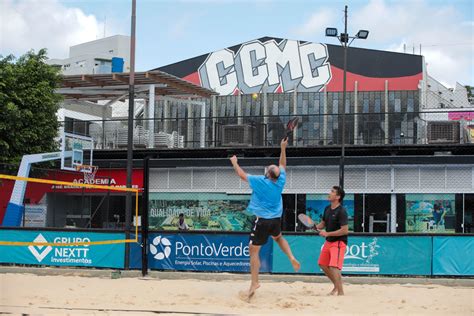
{"x": 201, "y": 211}
{"x": 203, "y": 252}
{"x": 364, "y": 255}
{"x": 453, "y": 255}
{"x": 430, "y": 213}
{"x": 107, "y": 256}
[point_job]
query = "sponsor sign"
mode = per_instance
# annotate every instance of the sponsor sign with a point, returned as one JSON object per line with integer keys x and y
{"x": 364, "y": 255}
{"x": 201, "y": 252}
{"x": 109, "y": 255}
{"x": 457, "y": 116}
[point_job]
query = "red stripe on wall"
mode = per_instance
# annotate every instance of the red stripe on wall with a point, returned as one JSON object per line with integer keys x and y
{"x": 193, "y": 78}
{"x": 364, "y": 83}
{"x": 371, "y": 83}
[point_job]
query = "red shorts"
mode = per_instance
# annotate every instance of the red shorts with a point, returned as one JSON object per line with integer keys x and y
{"x": 332, "y": 254}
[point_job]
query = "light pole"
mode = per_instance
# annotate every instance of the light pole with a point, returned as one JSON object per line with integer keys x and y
{"x": 131, "y": 104}
{"x": 344, "y": 40}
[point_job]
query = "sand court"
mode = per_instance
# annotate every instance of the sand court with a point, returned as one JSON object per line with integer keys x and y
{"x": 47, "y": 295}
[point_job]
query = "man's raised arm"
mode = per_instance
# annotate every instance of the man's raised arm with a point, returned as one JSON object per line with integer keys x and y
{"x": 284, "y": 143}
{"x": 240, "y": 172}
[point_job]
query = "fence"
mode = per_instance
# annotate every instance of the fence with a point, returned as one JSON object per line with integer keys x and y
{"x": 381, "y": 128}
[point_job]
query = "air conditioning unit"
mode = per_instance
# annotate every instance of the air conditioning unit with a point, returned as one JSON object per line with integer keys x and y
{"x": 443, "y": 132}
{"x": 238, "y": 135}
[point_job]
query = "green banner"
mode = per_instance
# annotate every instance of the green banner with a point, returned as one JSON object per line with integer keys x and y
{"x": 430, "y": 213}
{"x": 202, "y": 211}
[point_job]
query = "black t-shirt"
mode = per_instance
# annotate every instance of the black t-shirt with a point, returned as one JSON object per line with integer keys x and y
{"x": 334, "y": 219}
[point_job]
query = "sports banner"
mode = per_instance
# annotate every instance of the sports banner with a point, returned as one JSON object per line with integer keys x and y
{"x": 201, "y": 211}
{"x": 364, "y": 255}
{"x": 453, "y": 255}
{"x": 106, "y": 256}
{"x": 202, "y": 252}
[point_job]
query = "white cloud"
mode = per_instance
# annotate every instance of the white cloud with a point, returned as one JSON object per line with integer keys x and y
{"x": 37, "y": 24}
{"x": 317, "y": 23}
{"x": 181, "y": 24}
{"x": 436, "y": 26}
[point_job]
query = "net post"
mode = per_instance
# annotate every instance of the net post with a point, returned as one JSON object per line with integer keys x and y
{"x": 145, "y": 202}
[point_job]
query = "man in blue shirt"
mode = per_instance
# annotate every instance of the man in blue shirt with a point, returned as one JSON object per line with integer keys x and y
{"x": 267, "y": 205}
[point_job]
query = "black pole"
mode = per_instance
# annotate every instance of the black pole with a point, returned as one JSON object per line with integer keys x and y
{"x": 146, "y": 181}
{"x": 131, "y": 101}
{"x": 341, "y": 161}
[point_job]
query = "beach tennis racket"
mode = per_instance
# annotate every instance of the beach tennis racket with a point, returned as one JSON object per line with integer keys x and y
{"x": 307, "y": 221}
{"x": 291, "y": 125}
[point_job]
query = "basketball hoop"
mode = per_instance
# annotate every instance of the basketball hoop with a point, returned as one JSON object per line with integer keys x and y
{"x": 88, "y": 171}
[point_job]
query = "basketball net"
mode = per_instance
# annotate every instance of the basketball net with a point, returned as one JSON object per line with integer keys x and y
{"x": 88, "y": 171}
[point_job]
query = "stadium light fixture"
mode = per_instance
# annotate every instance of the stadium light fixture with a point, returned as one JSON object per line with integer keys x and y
{"x": 331, "y": 32}
{"x": 362, "y": 34}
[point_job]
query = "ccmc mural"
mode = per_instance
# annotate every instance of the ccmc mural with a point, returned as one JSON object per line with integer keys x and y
{"x": 280, "y": 67}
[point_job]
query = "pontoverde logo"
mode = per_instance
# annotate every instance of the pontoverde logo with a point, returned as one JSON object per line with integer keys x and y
{"x": 166, "y": 246}
{"x": 38, "y": 252}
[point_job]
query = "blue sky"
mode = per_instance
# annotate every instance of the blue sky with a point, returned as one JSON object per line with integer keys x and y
{"x": 170, "y": 31}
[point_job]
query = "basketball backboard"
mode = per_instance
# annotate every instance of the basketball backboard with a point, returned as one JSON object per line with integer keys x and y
{"x": 76, "y": 150}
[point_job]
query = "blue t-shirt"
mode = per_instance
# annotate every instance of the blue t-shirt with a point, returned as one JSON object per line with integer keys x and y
{"x": 266, "y": 201}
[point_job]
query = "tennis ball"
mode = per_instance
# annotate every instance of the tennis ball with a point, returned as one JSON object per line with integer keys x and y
{"x": 254, "y": 96}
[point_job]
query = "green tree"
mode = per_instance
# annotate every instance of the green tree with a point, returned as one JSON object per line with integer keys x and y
{"x": 28, "y": 106}
{"x": 470, "y": 91}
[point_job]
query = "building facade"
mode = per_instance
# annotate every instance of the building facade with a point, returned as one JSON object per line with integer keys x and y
{"x": 410, "y": 164}
{"x": 105, "y": 55}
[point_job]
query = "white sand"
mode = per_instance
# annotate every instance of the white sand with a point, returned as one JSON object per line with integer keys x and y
{"x": 62, "y": 295}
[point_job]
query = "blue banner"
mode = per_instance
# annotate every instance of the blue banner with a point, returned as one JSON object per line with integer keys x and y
{"x": 107, "y": 256}
{"x": 201, "y": 252}
{"x": 453, "y": 255}
{"x": 364, "y": 255}
{"x": 135, "y": 261}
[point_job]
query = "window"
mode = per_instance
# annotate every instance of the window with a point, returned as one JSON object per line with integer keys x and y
{"x": 398, "y": 105}
{"x": 468, "y": 222}
{"x": 410, "y": 105}
{"x": 335, "y": 106}
{"x": 75, "y": 126}
{"x": 365, "y": 108}
{"x": 349, "y": 101}
{"x": 378, "y": 106}
{"x": 430, "y": 213}
{"x": 375, "y": 210}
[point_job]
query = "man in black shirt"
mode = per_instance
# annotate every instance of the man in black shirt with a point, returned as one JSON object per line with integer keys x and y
{"x": 332, "y": 254}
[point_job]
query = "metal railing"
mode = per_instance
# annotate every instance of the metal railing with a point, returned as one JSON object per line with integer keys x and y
{"x": 393, "y": 128}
